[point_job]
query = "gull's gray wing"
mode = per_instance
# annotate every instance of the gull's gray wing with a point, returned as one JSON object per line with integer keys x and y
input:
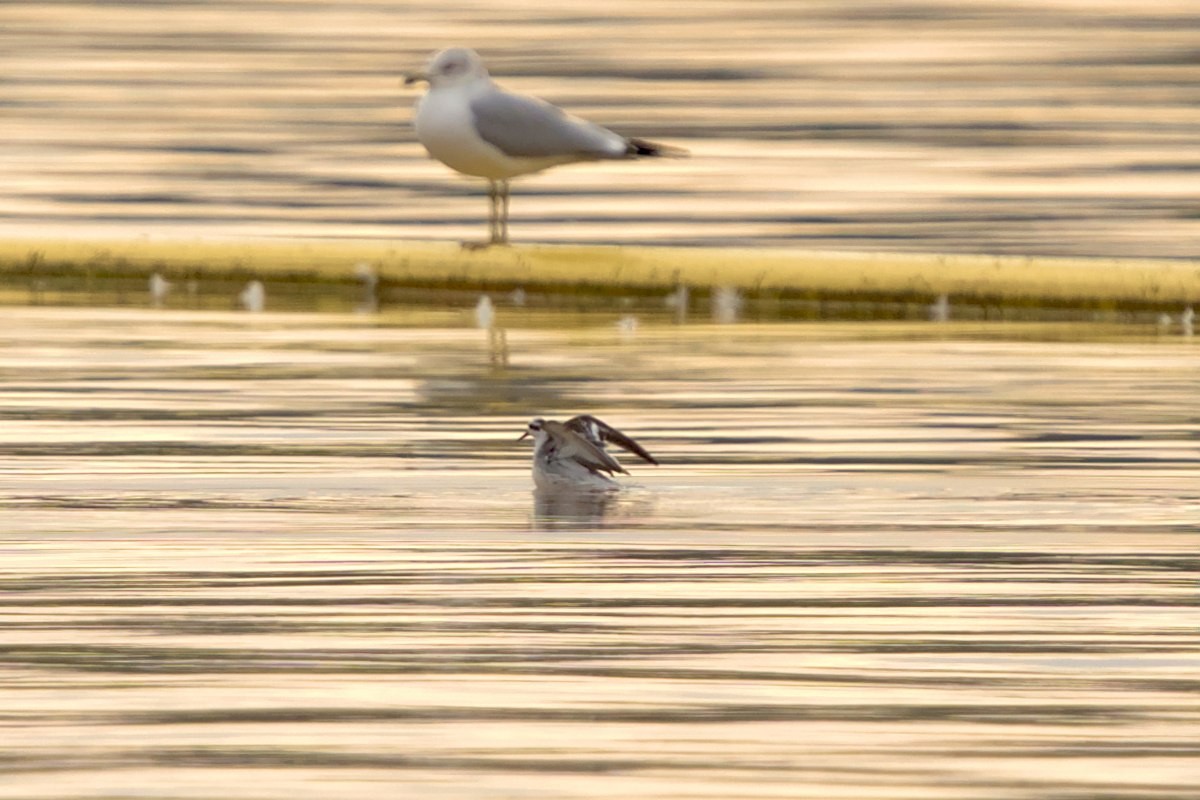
{"x": 532, "y": 128}
{"x": 598, "y": 431}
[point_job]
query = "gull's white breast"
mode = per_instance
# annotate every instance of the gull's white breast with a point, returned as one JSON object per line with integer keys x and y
{"x": 446, "y": 127}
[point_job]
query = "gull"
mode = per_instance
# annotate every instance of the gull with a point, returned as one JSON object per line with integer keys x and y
{"x": 473, "y": 126}
{"x": 571, "y": 454}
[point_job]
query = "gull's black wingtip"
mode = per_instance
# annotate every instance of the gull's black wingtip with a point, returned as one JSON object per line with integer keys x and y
{"x": 640, "y": 148}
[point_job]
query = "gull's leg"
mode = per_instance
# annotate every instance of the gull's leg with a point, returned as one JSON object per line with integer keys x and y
{"x": 493, "y": 211}
{"x": 493, "y": 218}
{"x": 503, "y": 214}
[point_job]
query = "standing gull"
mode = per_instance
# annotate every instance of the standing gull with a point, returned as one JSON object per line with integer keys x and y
{"x": 474, "y": 127}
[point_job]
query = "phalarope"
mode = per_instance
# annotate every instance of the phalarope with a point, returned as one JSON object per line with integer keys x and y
{"x": 573, "y": 454}
{"x": 473, "y": 126}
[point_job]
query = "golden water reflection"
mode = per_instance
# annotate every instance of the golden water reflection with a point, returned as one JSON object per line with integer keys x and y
{"x": 945, "y": 126}
{"x": 270, "y": 556}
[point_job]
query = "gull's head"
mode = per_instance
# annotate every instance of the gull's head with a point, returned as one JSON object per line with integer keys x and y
{"x": 536, "y": 429}
{"x": 451, "y": 67}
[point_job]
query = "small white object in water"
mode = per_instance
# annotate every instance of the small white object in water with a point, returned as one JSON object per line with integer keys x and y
{"x": 726, "y": 304}
{"x": 627, "y": 325}
{"x": 1186, "y": 320}
{"x": 677, "y": 298}
{"x": 517, "y": 296}
{"x": 159, "y": 288}
{"x": 940, "y": 310}
{"x": 485, "y": 313}
{"x": 365, "y": 272}
{"x": 254, "y": 297}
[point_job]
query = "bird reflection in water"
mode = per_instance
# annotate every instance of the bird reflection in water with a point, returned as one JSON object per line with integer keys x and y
{"x": 568, "y": 507}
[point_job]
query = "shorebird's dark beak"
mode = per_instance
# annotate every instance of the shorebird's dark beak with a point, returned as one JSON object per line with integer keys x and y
{"x": 415, "y": 77}
{"x": 522, "y": 436}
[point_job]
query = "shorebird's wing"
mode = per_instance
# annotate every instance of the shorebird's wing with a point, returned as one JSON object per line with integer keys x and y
{"x": 599, "y": 432}
{"x": 570, "y": 444}
{"x": 518, "y": 125}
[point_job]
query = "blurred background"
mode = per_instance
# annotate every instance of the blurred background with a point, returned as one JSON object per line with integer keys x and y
{"x": 1001, "y": 126}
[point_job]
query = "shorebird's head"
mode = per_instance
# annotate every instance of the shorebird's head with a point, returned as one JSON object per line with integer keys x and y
{"x": 536, "y": 426}
{"x": 451, "y": 67}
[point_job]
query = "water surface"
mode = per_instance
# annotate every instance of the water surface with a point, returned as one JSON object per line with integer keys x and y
{"x": 1065, "y": 127}
{"x": 298, "y": 556}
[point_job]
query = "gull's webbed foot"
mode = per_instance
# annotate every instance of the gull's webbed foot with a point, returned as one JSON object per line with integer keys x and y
{"x": 473, "y": 246}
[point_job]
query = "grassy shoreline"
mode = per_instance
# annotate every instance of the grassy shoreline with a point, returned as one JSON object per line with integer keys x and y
{"x": 1146, "y": 283}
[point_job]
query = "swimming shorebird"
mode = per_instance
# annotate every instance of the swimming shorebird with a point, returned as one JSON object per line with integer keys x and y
{"x": 573, "y": 454}
{"x": 473, "y": 126}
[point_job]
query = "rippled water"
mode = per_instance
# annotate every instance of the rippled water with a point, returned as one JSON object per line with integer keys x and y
{"x": 1062, "y": 127}
{"x": 298, "y": 555}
